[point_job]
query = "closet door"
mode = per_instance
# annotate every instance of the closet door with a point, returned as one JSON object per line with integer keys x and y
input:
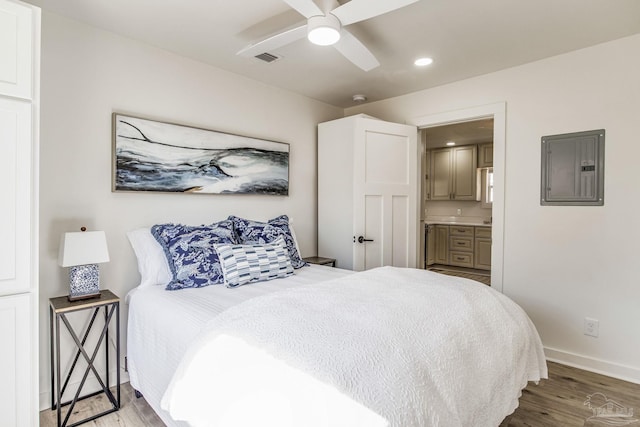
{"x": 19, "y": 38}
{"x": 18, "y": 291}
{"x": 385, "y": 195}
{"x": 368, "y": 197}
{"x": 16, "y": 375}
{"x": 18, "y": 295}
{"x": 16, "y": 47}
{"x": 15, "y": 191}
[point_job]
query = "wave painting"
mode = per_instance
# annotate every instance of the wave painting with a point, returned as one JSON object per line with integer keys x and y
{"x": 156, "y": 156}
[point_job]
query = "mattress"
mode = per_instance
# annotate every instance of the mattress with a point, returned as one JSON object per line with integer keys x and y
{"x": 162, "y": 324}
{"x": 386, "y": 347}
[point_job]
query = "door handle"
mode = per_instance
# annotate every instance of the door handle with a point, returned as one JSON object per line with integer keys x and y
{"x": 361, "y": 239}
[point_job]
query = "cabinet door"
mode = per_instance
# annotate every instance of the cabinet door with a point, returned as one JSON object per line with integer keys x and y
{"x": 16, "y": 40}
{"x": 441, "y": 174}
{"x": 464, "y": 161}
{"x": 15, "y": 361}
{"x": 482, "y": 254}
{"x": 485, "y": 155}
{"x": 431, "y": 246}
{"x": 441, "y": 253}
{"x": 15, "y": 188}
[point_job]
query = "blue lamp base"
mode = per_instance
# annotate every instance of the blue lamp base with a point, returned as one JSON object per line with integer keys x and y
{"x": 84, "y": 282}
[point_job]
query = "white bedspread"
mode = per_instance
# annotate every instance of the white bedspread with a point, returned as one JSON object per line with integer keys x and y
{"x": 388, "y": 346}
{"x": 162, "y": 324}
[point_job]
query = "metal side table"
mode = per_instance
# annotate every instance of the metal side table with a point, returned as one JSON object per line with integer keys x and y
{"x": 59, "y": 307}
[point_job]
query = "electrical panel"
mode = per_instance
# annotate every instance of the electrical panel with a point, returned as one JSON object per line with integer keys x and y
{"x": 573, "y": 169}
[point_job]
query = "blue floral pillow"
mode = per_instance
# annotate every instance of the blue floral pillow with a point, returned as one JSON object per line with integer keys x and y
{"x": 192, "y": 258}
{"x": 254, "y": 232}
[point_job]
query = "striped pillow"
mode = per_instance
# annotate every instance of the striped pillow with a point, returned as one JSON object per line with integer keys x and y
{"x": 242, "y": 264}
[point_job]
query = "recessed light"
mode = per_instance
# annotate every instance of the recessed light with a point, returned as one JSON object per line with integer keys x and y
{"x": 421, "y": 62}
{"x": 450, "y": 143}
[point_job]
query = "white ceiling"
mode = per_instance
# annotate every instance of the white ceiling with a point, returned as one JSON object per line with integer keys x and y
{"x": 465, "y": 133}
{"x": 464, "y": 37}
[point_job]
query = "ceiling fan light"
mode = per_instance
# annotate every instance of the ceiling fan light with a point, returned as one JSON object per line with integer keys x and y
{"x": 324, "y": 36}
{"x": 323, "y": 30}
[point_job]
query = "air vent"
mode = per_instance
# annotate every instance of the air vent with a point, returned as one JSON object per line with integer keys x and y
{"x": 267, "y": 57}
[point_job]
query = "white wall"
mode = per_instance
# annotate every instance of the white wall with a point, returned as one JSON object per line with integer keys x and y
{"x": 562, "y": 264}
{"x": 86, "y": 74}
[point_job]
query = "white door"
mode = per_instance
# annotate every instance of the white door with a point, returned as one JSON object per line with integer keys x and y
{"x": 15, "y": 191}
{"x": 16, "y": 44}
{"x": 17, "y": 398}
{"x": 19, "y": 74}
{"x": 385, "y": 195}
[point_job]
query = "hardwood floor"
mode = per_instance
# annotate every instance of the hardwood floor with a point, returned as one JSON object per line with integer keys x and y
{"x": 133, "y": 412}
{"x": 556, "y": 402}
{"x": 469, "y": 273}
{"x": 560, "y": 400}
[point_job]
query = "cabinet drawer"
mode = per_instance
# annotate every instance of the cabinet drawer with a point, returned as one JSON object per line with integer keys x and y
{"x": 461, "y": 243}
{"x": 461, "y": 259}
{"x": 483, "y": 232}
{"x": 461, "y": 230}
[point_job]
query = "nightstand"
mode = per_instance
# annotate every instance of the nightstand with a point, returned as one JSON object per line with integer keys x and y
{"x": 59, "y": 308}
{"x": 320, "y": 260}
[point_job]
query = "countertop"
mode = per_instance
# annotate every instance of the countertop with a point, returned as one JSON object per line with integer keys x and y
{"x": 458, "y": 220}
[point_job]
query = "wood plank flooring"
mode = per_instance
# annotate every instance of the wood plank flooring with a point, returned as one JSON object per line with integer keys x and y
{"x": 560, "y": 400}
{"x": 556, "y": 402}
{"x": 469, "y": 273}
{"x": 133, "y": 412}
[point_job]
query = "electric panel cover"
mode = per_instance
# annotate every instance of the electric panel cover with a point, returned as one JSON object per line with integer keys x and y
{"x": 573, "y": 169}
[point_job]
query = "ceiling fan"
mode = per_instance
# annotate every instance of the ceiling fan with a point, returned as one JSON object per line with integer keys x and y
{"x": 327, "y": 28}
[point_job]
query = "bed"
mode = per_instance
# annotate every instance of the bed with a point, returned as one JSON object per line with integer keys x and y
{"x": 329, "y": 347}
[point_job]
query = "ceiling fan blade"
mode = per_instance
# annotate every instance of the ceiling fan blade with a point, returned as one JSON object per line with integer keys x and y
{"x": 306, "y": 8}
{"x": 359, "y": 10}
{"x": 275, "y": 41}
{"x": 355, "y": 51}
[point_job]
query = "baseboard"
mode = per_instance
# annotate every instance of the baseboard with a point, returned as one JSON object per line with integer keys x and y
{"x": 90, "y": 385}
{"x": 591, "y": 364}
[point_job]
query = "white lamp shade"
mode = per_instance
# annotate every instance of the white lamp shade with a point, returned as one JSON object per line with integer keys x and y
{"x": 81, "y": 248}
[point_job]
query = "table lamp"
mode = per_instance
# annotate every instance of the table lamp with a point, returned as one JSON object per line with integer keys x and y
{"x": 83, "y": 251}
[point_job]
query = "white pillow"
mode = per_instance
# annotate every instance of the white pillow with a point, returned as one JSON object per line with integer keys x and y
{"x": 152, "y": 262}
{"x": 295, "y": 239}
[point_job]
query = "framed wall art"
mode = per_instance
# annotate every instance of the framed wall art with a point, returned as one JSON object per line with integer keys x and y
{"x": 150, "y": 155}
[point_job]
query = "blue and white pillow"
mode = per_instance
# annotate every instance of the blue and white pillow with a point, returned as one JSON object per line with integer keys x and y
{"x": 254, "y": 232}
{"x": 189, "y": 250}
{"x": 244, "y": 264}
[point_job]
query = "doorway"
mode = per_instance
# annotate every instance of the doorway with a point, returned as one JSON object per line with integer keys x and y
{"x": 457, "y": 197}
{"x": 497, "y": 113}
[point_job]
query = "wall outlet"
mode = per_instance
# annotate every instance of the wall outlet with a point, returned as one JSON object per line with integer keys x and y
{"x": 459, "y": 212}
{"x": 591, "y": 327}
